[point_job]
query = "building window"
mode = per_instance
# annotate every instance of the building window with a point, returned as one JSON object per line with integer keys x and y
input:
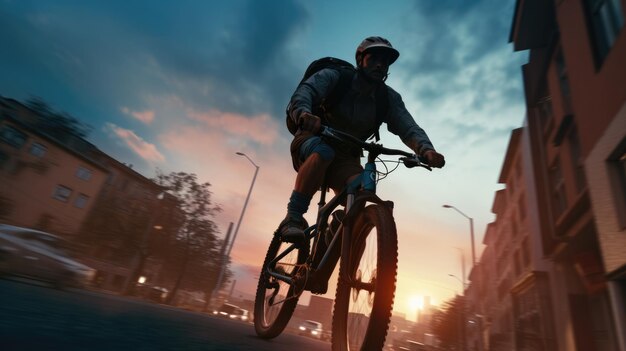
{"x": 83, "y": 173}
{"x": 606, "y": 21}
{"x": 564, "y": 81}
{"x": 38, "y": 150}
{"x": 81, "y": 201}
{"x": 577, "y": 159}
{"x": 544, "y": 108}
{"x": 617, "y": 168}
{"x": 557, "y": 184}
{"x": 12, "y": 136}
{"x": 62, "y": 193}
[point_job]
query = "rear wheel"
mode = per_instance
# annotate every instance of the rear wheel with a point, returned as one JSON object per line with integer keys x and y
{"x": 275, "y": 299}
{"x": 364, "y": 301}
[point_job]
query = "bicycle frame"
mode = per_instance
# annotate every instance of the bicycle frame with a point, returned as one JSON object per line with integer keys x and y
{"x": 356, "y": 194}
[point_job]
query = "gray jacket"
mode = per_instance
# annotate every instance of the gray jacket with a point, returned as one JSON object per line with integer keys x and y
{"x": 355, "y": 113}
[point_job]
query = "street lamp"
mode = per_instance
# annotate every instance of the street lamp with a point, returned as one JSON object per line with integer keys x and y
{"x": 460, "y": 281}
{"x": 140, "y": 256}
{"x": 256, "y": 171}
{"x": 471, "y": 221}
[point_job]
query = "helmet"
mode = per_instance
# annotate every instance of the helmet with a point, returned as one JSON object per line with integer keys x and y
{"x": 376, "y": 42}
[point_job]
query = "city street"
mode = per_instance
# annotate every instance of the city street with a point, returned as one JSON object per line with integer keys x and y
{"x": 34, "y": 316}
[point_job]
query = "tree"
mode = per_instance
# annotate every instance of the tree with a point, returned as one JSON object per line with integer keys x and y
{"x": 58, "y": 124}
{"x": 448, "y": 324}
{"x": 195, "y": 251}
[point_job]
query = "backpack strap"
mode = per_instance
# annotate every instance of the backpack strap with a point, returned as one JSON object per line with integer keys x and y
{"x": 382, "y": 108}
{"x": 341, "y": 88}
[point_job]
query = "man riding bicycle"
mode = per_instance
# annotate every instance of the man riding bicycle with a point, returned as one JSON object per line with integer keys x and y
{"x": 357, "y": 112}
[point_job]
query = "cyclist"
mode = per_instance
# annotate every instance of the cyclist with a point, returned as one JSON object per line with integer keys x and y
{"x": 355, "y": 113}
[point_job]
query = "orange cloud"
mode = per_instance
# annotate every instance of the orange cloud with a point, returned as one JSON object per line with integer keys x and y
{"x": 260, "y": 128}
{"x": 144, "y": 116}
{"x": 141, "y": 147}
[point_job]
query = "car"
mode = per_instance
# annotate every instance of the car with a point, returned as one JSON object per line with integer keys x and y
{"x": 39, "y": 255}
{"x": 151, "y": 292}
{"x": 233, "y": 312}
{"x": 311, "y": 329}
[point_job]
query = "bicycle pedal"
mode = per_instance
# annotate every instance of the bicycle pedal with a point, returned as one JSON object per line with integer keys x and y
{"x": 317, "y": 288}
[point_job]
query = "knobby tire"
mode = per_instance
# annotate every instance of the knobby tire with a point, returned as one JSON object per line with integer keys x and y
{"x": 375, "y": 327}
{"x": 271, "y": 329}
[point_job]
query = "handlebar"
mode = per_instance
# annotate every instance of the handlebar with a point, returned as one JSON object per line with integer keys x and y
{"x": 409, "y": 160}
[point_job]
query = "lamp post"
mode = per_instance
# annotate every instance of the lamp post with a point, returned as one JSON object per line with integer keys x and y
{"x": 140, "y": 257}
{"x": 245, "y": 204}
{"x": 471, "y": 221}
{"x": 460, "y": 281}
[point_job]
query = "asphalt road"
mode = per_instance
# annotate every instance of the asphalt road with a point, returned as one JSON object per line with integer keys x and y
{"x": 36, "y": 317}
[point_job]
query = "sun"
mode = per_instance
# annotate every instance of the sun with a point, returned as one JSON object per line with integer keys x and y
{"x": 416, "y": 302}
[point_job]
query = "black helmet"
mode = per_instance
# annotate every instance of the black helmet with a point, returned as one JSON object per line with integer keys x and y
{"x": 376, "y": 42}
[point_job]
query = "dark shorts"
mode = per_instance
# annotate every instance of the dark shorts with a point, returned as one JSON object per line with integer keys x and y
{"x": 343, "y": 166}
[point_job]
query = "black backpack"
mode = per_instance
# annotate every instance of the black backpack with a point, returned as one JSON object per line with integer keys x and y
{"x": 347, "y": 72}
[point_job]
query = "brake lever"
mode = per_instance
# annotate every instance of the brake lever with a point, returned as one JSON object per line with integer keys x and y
{"x": 415, "y": 161}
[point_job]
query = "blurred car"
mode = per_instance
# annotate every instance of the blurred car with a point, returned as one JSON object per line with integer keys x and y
{"x": 233, "y": 312}
{"x": 40, "y": 255}
{"x": 311, "y": 329}
{"x": 151, "y": 292}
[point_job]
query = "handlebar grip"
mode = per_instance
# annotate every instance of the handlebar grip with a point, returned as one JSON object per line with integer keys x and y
{"x": 415, "y": 161}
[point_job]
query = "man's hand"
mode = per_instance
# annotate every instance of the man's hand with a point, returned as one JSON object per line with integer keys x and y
{"x": 434, "y": 159}
{"x": 309, "y": 122}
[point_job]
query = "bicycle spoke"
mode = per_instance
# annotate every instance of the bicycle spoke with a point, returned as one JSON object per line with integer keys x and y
{"x": 277, "y": 293}
{"x": 364, "y": 299}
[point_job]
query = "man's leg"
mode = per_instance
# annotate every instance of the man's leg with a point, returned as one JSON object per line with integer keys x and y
{"x": 317, "y": 157}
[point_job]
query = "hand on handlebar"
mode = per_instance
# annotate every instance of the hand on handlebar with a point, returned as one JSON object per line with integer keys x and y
{"x": 309, "y": 122}
{"x": 434, "y": 159}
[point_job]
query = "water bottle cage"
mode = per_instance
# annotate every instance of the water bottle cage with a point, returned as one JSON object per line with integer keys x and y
{"x": 368, "y": 177}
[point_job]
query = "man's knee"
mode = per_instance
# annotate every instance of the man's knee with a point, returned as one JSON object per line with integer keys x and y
{"x": 314, "y": 146}
{"x": 326, "y": 152}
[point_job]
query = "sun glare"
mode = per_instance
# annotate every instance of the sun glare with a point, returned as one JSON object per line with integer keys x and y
{"x": 416, "y": 302}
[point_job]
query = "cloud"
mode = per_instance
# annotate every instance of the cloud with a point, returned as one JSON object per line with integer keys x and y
{"x": 144, "y": 116}
{"x": 144, "y": 149}
{"x": 461, "y": 79}
{"x": 261, "y": 128}
{"x": 232, "y": 56}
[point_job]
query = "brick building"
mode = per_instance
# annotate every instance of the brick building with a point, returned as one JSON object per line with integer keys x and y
{"x": 557, "y": 249}
{"x": 575, "y": 86}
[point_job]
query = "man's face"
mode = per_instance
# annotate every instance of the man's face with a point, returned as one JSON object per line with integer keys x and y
{"x": 376, "y": 64}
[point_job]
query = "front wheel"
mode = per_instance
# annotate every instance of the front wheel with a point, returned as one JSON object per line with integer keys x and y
{"x": 367, "y": 283}
{"x": 276, "y": 300}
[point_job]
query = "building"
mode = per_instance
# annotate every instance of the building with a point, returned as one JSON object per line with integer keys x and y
{"x": 575, "y": 87}
{"x": 46, "y": 183}
{"x": 320, "y": 309}
{"x": 52, "y": 179}
{"x": 124, "y": 218}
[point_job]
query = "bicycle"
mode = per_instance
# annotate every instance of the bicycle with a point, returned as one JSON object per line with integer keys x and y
{"x": 363, "y": 236}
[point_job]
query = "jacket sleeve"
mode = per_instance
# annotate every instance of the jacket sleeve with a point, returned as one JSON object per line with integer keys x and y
{"x": 401, "y": 123}
{"x": 311, "y": 92}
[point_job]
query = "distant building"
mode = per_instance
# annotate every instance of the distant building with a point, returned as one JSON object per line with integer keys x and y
{"x": 46, "y": 183}
{"x": 321, "y": 310}
{"x": 54, "y": 180}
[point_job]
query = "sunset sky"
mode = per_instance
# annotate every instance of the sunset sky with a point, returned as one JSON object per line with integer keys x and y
{"x": 183, "y": 86}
